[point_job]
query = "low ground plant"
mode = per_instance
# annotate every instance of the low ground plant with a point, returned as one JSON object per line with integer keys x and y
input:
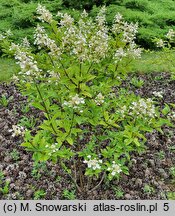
{"x": 148, "y": 189}
{"x": 70, "y": 195}
{"x": 138, "y": 83}
{"x": 4, "y": 101}
{"x": 39, "y": 194}
{"x": 91, "y": 124}
{"x": 15, "y": 155}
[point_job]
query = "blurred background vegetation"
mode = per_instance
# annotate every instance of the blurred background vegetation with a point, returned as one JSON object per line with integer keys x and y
{"x": 155, "y": 17}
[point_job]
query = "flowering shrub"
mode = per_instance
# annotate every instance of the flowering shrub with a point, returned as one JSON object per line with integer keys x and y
{"x": 91, "y": 124}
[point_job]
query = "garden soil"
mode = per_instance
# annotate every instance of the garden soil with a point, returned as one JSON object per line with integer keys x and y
{"x": 149, "y": 173}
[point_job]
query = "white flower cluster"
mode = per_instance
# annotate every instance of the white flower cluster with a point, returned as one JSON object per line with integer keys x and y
{"x": 53, "y": 148}
{"x": 53, "y": 74}
{"x": 84, "y": 14}
{"x": 17, "y": 130}
{"x": 101, "y": 19}
{"x": 86, "y": 40}
{"x": 114, "y": 169}
{"x": 15, "y": 47}
{"x": 45, "y": 15}
{"x": 133, "y": 51}
{"x": 120, "y": 53}
{"x": 15, "y": 79}
{"x": 25, "y": 43}
{"x": 171, "y": 34}
{"x": 98, "y": 43}
{"x": 93, "y": 163}
{"x": 158, "y": 94}
{"x": 42, "y": 40}
{"x": 66, "y": 20}
{"x": 117, "y": 26}
{"x": 2, "y": 37}
{"x": 27, "y": 64}
{"x": 74, "y": 102}
{"x": 128, "y": 32}
{"x": 143, "y": 107}
{"x": 8, "y": 33}
{"x": 160, "y": 43}
{"x": 99, "y": 99}
{"x": 5, "y": 34}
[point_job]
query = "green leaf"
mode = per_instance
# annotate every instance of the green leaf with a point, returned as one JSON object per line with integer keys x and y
{"x": 89, "y": 77}
{"x": 89, "y": 172}
{"x": 38, "y": 105}
{"x": 160, "y": 130}
{"x": 166, "y": 110}
{"x": 76, "y": 130}
{"x": 87, "y": 94}
{"x": 29, "y": 146}
{"x": 106, "y": 115}
{"x": 45, "y": 127}
{"x": 102, "y": 123}
{"x": 136, "y": 142}
{"x": 70, "y": 140}
{"x": 173, "y": 105}
{"x": 79, "y": 119}
{"x": 128, "y": 141}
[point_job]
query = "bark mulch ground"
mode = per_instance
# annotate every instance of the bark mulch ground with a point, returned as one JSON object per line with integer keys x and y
{"x": 150, "y": 176}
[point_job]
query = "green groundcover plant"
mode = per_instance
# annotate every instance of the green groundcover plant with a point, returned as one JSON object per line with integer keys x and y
{"x": 91, "y": 124}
